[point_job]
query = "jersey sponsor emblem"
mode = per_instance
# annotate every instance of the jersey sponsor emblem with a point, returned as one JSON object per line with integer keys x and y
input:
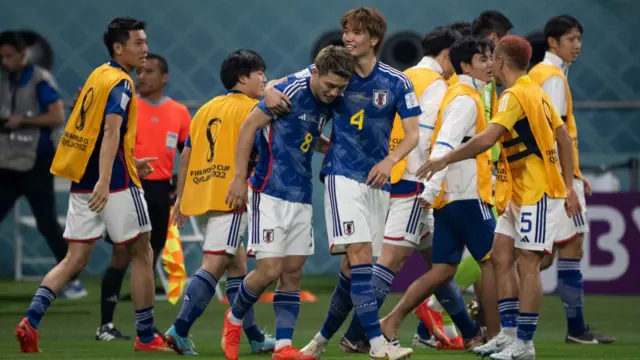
{"x": 213, "y": 127}
{"x": 348, "y": 227}
{"x": 411, "y": 100}
{"x": 380, "y": 98}
{"x": 172, "y": 141}
{"x": 267, "y": 235}
{"x": 124, "y": 101}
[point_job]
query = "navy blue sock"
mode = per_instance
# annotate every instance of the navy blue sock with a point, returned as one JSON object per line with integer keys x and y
{"x": 571, "y": 291}
{"x": 364, "y": 300}
{"x": 422, "y": 331}
{"x": 197, "y": 296}
{"x": 286, "y": 305}
{"x": 249, "y": 322}
{"x": 527, "y": 324}
{"x": 382, "y": 279}
{"x": 509, "y": 310}
{"x": 39, "y": 304}
{"x": 451, "y": 300}
{"x": 339, "y": 308}
{"x": 144, "y": 324}
{"x": 244, "y": 301}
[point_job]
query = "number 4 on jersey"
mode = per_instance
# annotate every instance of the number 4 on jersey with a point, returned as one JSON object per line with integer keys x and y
{"x": 358, "y": 119}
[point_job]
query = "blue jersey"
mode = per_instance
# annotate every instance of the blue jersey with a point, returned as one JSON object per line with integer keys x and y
{"x": 285, "y": 146}
{"x": 117, "y": 103}
{"x": 363, "y": 118}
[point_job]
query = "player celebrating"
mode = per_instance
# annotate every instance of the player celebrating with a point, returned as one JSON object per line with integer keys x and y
{"x": 207, "y": 167}
{"x": 279, "y": 201}
{"x": 563, "y": 39}
{"x": 96, "y": 153}
{"x": 408, "y": 227}
{"x": 462, "y": 190}
{"x": 530, "y": 193}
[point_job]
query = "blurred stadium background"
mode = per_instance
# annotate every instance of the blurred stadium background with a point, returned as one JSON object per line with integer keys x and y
{"x": 196, "y": 35}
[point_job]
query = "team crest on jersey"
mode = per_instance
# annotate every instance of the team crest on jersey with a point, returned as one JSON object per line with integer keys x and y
{"x": 267, "y": 235}
{"x": 323, "y": 121}
{"x": 348, "y": 227}
{"x": 380, "y": 98}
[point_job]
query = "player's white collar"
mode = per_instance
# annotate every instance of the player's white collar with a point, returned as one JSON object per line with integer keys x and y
{"x": 555, "y": 60}
{"x": 473, "y": 82}
{"x": 428, "y": 62}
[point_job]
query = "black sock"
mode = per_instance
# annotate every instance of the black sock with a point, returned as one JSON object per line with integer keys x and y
{"x": 111, "y": 285}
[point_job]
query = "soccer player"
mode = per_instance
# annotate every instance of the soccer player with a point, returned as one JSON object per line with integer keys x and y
{"x": 408, "y": 227}
{"x": 356, "y": 176}
{"x": 563, "y": 35}
{"x": 463, "y": 190}
{"x": 530, "y": 193}
{"x": 163, "y": 126}
{"x": 279, "y": 199}
{"x": 96, "y": 154}
{"x": 207, "y": 167}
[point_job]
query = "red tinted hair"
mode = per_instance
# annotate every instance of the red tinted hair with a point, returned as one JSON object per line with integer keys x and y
{"x": 516, "y": 49}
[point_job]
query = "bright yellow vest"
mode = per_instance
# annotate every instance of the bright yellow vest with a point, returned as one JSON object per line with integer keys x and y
{"x": 453, "y": 79}
{"x": 541, "y": 73}
{"x": 532, "y": 99}
{"x": 214, "y": 136}
{"x": 483, "y": 160}
{"x": 421, "y": 78}
{"x": 85, "y": 123}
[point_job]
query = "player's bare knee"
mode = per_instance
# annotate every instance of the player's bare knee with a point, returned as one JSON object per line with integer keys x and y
{"x": 270, "y": 269}
{"x": 393, "y": 256}
{"x": 359, "y": 253}
{"x": 216, "y": 264}
{"x": 529, "y": 262}
{"x": 445, "y": 272}
{"x": 502, "y": 252}
{"x": 77, "y": 257}
{"x": 119, "y": 257}
{"x": 572, "y": 249}
{"x": 140, "y": 249}
{"x": 238, "y": 266}
{"x": 290, "y": 281}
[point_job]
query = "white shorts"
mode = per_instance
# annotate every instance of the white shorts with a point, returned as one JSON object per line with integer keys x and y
{"x": 224, "y": 232}
{"x": 354, "y": 213}
{"x": 278, "y": 227}
{"x": 124, "y": 217}
{"x": 571, "y": 226}
{"x": 408, "y": 225}
{"x": 532, "y": 227}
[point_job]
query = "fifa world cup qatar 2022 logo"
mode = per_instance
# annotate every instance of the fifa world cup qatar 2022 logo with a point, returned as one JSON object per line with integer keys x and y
{"x": 213, "y": 128}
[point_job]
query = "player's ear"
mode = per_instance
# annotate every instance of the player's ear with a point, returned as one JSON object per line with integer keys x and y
{"x": 374, "y": 41}
{"x": 118, "y": 48}
{"x": 165, "y": 78}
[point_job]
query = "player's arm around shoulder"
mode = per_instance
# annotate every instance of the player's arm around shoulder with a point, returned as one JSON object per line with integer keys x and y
{"x": 274, "y": 98}
{"x": 259, "y": 117}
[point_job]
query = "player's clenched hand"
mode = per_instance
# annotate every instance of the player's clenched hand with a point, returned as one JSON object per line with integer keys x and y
{"x": 572, "y": 204}
{"x": 431, "y": 167}
{"x": 423, "y": 203}
{"x": 237, "y": 195}
{"x": 177, "y": 217}
{"x": 277, "y": 102}
{"x": 143, "y": 166}
{"x": 99, "y": 197}
{"x": 379, "y": 175}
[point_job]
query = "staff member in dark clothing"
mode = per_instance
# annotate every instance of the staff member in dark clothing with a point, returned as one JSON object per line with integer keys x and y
{"x": 31, "y": 117}
{"x": 163, "y": 126}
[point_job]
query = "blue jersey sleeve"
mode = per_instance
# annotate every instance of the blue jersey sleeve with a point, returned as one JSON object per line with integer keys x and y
{"x": 46, "y": 94}
{"x": 187, "y": 142}
{"x": 119, "y": 98}
{"x": 300, "y": 74}
{"x": 408, "y": 104}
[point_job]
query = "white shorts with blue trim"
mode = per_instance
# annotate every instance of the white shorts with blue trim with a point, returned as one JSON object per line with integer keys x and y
{"x": 533, "y": 227}
{"x": 224, "y": 232}
{"x": 569, "y": 227}
{"x": 278, "y": 227}
{"x": 354, "y": 213}
{"x": 124, "y": 217}
{"x": 408, "y": 225}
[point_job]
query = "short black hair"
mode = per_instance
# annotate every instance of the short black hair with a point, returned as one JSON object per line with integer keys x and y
{"x": 12, "y": 38}
{"x": 438, "y": 39}
{"x": 461, "y": 28}
{"x": 164, "y": 66}
{"x": 240, "y": 63}
{"x": 464, "y": 49}
{"x": 557, "y": 26}
{"x": 118, "y": 31}
{"x": 538, "y": 47}
{"x": 491, "y": 21}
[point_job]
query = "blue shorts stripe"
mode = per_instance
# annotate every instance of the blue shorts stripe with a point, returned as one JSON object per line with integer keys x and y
{"x": 136, "y": 205}
{"x": 411, "y": 216}
{"x": 255, "y": 221}
{"x": 538, "y": 222}
{"x": 232, "y": 239}
{"x": 337, "y": 229}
